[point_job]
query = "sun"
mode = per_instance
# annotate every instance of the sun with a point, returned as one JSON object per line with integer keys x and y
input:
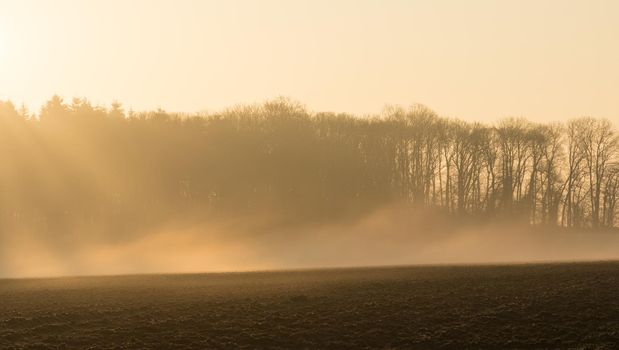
{"x": 4, "y": 53}
{"x": 3, "y": 48}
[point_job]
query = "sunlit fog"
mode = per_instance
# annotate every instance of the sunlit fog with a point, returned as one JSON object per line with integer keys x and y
{"x": 88, "y": 189}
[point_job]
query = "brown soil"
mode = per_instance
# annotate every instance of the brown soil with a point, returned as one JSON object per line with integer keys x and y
{"x": 450, "y": 307}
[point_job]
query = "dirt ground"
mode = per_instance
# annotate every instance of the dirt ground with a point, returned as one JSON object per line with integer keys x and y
{"x": 448, "y": 307}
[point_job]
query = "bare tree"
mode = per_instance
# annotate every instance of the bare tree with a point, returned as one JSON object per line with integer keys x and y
{"x": 598, "y": 143}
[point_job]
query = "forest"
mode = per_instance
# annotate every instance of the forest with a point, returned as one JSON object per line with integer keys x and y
{"x": 75, "y": 167}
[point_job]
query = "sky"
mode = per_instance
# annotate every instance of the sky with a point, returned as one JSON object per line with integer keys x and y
{"x": 479, "y": 60}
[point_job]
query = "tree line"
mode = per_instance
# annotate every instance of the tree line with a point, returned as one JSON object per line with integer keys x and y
{"x": 74, "y": 166}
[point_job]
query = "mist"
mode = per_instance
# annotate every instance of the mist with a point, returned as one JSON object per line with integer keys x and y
{"x": 388, "y": 236}
{"x": 90, "y": 190}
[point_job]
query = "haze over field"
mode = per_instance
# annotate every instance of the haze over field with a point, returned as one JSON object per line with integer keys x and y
{"x": 93, "y": 190}
{"x": 513, "y": 156}
{"x": 370, "y": 242}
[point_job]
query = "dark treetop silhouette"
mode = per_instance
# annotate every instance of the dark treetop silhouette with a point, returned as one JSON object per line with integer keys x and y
{"x": 77, "y": 167}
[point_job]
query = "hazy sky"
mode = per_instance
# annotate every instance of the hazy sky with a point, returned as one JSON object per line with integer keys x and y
{"x": 475, "y": 59}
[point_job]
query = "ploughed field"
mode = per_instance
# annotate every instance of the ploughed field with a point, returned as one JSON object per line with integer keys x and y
{"x": 452, "y": 307}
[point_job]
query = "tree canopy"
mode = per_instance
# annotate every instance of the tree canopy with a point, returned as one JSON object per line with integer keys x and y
{"x": 77, "y": 167}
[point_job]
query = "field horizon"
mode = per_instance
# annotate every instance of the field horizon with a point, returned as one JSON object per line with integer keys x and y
{"x": 328, "y": 268}
{"x": 446, "y": 307}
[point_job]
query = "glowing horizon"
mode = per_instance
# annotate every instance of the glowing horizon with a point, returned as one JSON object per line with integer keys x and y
{"x": 477, "y": 60}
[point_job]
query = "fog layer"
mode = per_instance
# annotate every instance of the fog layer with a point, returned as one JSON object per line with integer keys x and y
{"x": 389, "y": 236}
{"x": 93, "y": 190}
